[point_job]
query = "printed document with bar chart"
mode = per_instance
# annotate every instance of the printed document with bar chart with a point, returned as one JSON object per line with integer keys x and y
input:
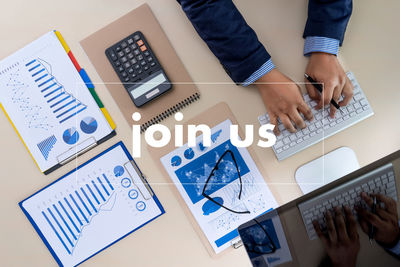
{"x": 92, "y": 207}
{"x": 48, "y": 102}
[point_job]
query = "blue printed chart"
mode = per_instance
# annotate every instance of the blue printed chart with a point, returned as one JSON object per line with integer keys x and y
{"x": 88, "y": 125}
{"x": 71, "y": 136}
{"x": 63, "y": 104}
{"x": 90, "y": 208}
{"x": 46, "y": 146}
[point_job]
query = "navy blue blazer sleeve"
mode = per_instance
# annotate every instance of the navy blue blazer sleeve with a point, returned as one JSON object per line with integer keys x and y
{"x": 228, "y": 36}
{"x": 328, "y": 18}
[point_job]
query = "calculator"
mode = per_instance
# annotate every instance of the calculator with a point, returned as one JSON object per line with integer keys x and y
{"x": 138, "y": 69}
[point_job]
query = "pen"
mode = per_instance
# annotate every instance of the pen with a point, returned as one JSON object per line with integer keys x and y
{"x": 318, "y": 86}
{"x": 371, "y": 227}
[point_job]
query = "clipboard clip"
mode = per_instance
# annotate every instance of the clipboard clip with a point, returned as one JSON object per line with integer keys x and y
{"x": 139, "y": 180}
{"x": 77, "y": 150}
{"x": 236, "y": 243}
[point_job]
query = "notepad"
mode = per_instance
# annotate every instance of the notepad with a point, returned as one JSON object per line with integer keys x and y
{"x": 92, "y": 207}
{"x": 51, "y": 102}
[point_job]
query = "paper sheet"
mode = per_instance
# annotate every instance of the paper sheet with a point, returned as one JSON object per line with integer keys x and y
{"x": 90, "y": 208}
{"x": 190, "y": 167}
{"x": 47, "y": 101}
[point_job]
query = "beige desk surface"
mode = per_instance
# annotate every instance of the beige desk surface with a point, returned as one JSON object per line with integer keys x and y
{"x": 371, "y": 52}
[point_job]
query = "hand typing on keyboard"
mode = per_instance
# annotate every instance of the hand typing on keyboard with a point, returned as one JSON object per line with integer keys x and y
{"x": 326, "y": 68}
{"x": 283, "y": 100}
{"x": 385, "y": 220}
{"x": 341, "y": 242}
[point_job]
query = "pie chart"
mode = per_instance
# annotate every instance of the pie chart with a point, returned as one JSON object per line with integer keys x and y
{"x": 189, "y": 154}
{"x": 88, "y": 125}
{"x": 71, "y": 136}
{"x": 176, "y": 161}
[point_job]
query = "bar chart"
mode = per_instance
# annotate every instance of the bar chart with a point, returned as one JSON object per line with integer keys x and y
{"x": 69, "y": 216}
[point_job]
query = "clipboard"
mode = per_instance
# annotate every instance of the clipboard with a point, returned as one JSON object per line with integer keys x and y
{"x": 211, "y": 117}
{"x": 139, "y": 182}
{"x": 82, "y": 146}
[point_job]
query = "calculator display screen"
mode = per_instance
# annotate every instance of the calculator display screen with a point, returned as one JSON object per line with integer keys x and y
{"x": 148, "y": 85}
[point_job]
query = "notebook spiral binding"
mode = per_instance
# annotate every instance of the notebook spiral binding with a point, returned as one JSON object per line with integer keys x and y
{"x": 172, "y": 110}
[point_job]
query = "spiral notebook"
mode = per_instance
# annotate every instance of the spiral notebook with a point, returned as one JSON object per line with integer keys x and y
{"x": 183, "y": 92}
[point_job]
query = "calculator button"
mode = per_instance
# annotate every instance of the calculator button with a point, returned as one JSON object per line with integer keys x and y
{"x": 133, "y": 61}
{"x": 136, "y": 52}
{"x": 124, "y": 59}
{"x": 133, "y": 75}
{"x": 143, "y": 48}
{"x": 149, "y": 59}
{"x": 118, "y": 49}
{"x": 117, "y": 63}
{"x": 152, "y": 64}
{"x": 136, "y": 37}
{"x": 127, "y": 65}
{"x": 121, "y": 69}
{"x": 133, "y": 46}
{"x": 140, "y": 43}
{"x": 124, "y": 74}
{"x": 142, "y": 62}
{"x": 146, "y": 67}
{"x": 124, "y": 45}
{"x": 130, "y": 71}
{"x": 127, "y": 50}
{"x": 137, "y": 67}
{"x": 139, "y": 57}
{"x": 130, "y": 56}
{"x": 146, "y": 53}
{"x": 139, "y": 71}
{"x": 113, "y": 56}
{"x": 126, "y": 79}
{"x": 130, "y": 41}
{"x": 121, "y": 54}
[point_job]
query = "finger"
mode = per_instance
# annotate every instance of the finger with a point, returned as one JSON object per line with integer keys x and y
{"x": 367, "y": 199}
{"x": 386, "y": 216}
{"x": 347, "y": 93}
{"x": 390, "y": 203}
{"x": 320, "y": 234}
{"x": 287, "y": 123}
{"x": 297, "y": 119}
{"x": 331, "y": 227}
{"x": 340, "y": 225}
{"x": 306, "y": 110}
{"x": 312, "y": 91}
{"x": 274, "y": 120}
{"x": 351, "y": 223}
{"x": 336, "y": 96}
{"x": 327, "y": 94}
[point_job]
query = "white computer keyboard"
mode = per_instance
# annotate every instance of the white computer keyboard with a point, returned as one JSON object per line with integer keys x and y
{"x": 323, "y": 125}
{"x": 381, "y": 180}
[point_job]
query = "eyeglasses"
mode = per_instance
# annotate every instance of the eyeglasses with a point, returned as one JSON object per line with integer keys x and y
{"x": 258, "y": 241}
{"x": 228, "y": 175}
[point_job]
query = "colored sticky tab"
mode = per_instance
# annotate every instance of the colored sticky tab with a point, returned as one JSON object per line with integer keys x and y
{"x": 72, "y": 57}
{"x": 62, "y": 41}
{"x": 86, "y": 79}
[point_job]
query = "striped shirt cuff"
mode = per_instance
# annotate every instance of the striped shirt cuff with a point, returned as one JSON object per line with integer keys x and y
{"x": 264, "y": 69}
{"x": 321, "y": 44}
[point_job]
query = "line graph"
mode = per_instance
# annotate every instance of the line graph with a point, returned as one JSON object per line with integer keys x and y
{"x": 33, "y": 114}
{"x": 63, "y": 104}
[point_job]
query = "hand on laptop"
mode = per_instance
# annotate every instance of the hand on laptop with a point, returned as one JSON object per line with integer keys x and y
{"x": 341, "y": 242}
{"x": 385, "y": 220}
{"x": 325, "y": 68}
{"x": 283, "y": 100}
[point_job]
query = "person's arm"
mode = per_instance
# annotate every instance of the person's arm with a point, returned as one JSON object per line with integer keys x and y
{"x": 324, "y": 33}
{"x": 245, "y": 59}
{"x": 230, "y": 38}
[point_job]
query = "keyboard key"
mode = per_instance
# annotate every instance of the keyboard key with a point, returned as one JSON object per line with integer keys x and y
{"x": 113, "y": 56}
{"x": 130, "y": 56}
{"x": 136, "y": 52}
{"x": 285, "y": 147}
{"x": 124, "y": 74}
{"x": 139, "y": 57}
{"x": 136, "y": 37}
{"x": 143, "y": 48}
{"x": 133, "y": 61}
{"x": 124, "y": 45}
{"x": 286, "y": 140}
{"x": 127, "y": 65}
{"x": 140, "y": 43}
{"x": 146, "y": 53}
{"x": 124, "y": 59}
{"x": 121, "y": 54}
{"x": 130, "y": 41}
{"x": 363, "y": 102}
{"x": 278, "y": 144}
{"x": 117, "y": 49}
{"x": 357, "y": 96}
{"x": 127, "y": 50}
